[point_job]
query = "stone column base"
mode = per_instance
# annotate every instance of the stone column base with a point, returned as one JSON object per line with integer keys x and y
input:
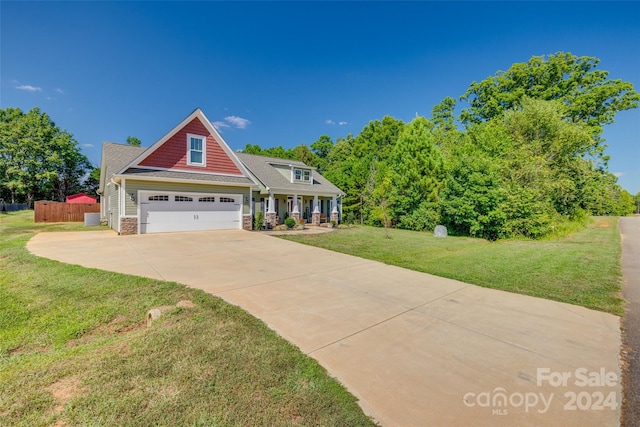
{"x": 128, "y": 225}
{"x": 272, "y": 219}
{"x": 296, "y": 217}
{"x": 334, "y": 217}
{"x": 247, "y": 222}
{"x": 315, "y": 218}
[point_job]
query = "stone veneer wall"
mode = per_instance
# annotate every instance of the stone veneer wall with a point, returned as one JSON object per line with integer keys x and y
{"x": 128, "y": 225}
{"x": 247, "y": 222}
{"x": 334, "y": 217}
{"x": 315, "y": 218}
{"x": 272, "y": 219}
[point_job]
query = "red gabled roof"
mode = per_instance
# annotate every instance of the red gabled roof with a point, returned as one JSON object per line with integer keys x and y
{"x": 81, "y": 198}
{"x": 170, "y": 152}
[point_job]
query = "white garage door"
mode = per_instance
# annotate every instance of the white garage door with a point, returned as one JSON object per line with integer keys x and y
{"x": 163, "y": 212}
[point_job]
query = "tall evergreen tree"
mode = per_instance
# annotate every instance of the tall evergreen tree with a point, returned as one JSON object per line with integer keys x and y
{"x": 418, "y": 176}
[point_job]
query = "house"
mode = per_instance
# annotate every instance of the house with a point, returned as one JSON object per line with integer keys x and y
{"x": 191, "y": 180}
{"x": 81, "y": 198}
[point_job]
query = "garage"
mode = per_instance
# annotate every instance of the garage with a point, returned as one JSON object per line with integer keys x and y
{"x": 162, "y": 212}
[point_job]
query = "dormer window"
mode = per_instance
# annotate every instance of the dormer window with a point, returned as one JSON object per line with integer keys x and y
{"x": 196, "y": 150}
{"x": 302, "y": 175}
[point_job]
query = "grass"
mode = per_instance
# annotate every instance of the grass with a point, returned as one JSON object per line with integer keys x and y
{"x": 582, "y": 268}
{"x": 74, "y": 350}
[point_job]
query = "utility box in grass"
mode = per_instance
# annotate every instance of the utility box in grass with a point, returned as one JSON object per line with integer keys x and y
{"x": 91, "y": 219}
{"x": 440, "y": 231}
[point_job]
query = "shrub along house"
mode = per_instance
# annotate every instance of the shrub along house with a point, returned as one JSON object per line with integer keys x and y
{"x": 191, "y": 180}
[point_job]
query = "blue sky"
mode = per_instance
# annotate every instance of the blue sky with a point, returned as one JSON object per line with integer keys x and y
{"x": 283, "y": 73}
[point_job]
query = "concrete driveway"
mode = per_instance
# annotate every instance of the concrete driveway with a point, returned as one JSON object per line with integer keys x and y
{"x": 415, "y": 349}
{"x": 630, "y": 233}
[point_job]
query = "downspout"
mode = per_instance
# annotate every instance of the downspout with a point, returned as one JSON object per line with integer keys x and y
{"x": 251, "y": 202}
{"x": 123, "y": 202}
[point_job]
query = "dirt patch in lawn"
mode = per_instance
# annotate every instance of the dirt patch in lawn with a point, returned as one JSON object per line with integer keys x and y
{"x": 119, "y": 325}
{"x": 64, "y": 390}
{"x": 29, "y": 350}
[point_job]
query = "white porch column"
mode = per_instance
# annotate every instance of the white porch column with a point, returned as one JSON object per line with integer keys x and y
{"x": 295, "y": 204}
{"x": 334, "y": 205}
{"x": 272, "y": 203}
{"x": 316, "y": 208}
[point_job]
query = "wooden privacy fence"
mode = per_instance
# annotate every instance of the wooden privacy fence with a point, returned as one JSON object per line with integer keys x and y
{"x": 63, "y": 212}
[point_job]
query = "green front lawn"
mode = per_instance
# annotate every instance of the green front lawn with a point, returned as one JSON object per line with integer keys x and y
{"x": 74, "y": 350}
{"x": 582, "y": 268}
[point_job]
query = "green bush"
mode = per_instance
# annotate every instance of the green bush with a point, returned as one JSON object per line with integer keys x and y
{"x": 289, "y": 222}
{"x": 258, "y": 220}
{"x": 424, "y": 218}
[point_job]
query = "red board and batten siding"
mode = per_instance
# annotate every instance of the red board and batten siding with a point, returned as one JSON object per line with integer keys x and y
{"x": 173, "y": 153}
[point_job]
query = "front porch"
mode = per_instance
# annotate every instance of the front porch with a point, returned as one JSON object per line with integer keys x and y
{"x": 308, "y": 209}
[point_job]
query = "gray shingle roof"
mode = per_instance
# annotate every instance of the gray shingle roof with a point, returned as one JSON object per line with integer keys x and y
{"x": 115, "y": 157}
{"x": 262, "y": 169}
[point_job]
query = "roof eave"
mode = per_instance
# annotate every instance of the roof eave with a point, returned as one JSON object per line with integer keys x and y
{"x": 119, "y": 177}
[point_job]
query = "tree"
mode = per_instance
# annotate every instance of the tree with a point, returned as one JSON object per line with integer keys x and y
{"x": 321, "y": 148}
{"x": 278, "y": 151}
{"x": 381, "y": 198}
{"x": 374, "y": 143}
{"x": 252, "y": 149}
{"x": 37, "y": 158}
{"x": 547, "y": 153}
{"x": 418, "y": 176}
{"x": 471, "y": 199}
{"x": 602, "y": 195}
{"x": 378, "y": 138}
{"x": 71, "y": 171}
{"x": 340, "y": 172}
{"x": 626, "y": 204}
{"x": 92, "y": 183}
{"x": 132, "y": 140}
{"x": 443, "y": 114}
{"x": 589, "y": 95}
{"x": 303, "y": 154}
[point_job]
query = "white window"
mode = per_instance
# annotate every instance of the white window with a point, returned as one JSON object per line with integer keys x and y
{"x": 301, "y": 175}
{"x": 196, "y": 150}
{"x": 207, "y": 199}
{"x": 158, "y": 198}
{"x": 227, "y": 200}
{"x": 183, "y": 199}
